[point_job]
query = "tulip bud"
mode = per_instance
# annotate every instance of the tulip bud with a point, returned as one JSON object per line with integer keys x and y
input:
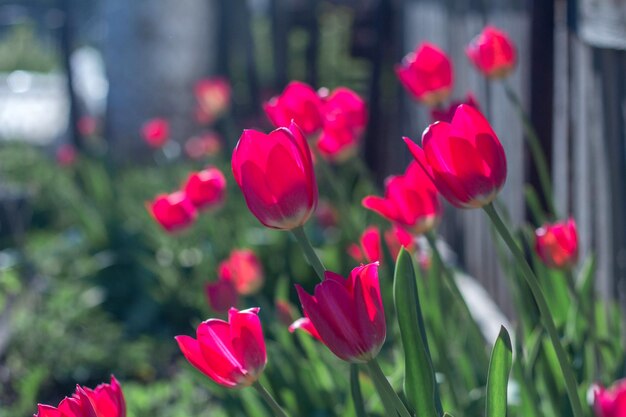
{"x": 230, "y": 353}
{"x": 206, "y": 189}
{"x": 275, "y": 174}
{"x": 464, "y": 158}
{"x": 557, "y": 244}
{"x": 173, "y": 211}
{"x": 156, "y": 132}
{"x": 348, "y": 313}
{"x": 492, "y": 52}
{"x": 427, "y": 74}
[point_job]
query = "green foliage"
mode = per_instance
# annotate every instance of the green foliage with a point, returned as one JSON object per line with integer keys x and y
{"x": 21, "y": 49}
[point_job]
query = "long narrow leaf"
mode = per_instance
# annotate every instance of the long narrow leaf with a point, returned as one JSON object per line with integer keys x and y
{"x": 498, "y": 378}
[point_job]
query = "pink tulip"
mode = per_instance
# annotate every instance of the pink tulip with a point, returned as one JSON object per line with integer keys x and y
{"x": 298, "y": 102}
{"x": 492, "y": 52}
{"x": 156, "y": 132}
{"x": 275, "y": 174}
{"x": 610, "y": 402}
{"x": 206, "y": 189}
{"x": 244, "y": 270}
{"x": 464, "y": 158}
{"x": 348, "y": 313}
{"x": 230, "y": 353}
{"x": 172, "y": 211}
{"x": 426, "y": 74}
{"x": 557, "y": 244}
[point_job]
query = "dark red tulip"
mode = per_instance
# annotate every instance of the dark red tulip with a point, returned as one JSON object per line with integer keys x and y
{"x": 464, "y": 158}
{"x": 426, "y": 74}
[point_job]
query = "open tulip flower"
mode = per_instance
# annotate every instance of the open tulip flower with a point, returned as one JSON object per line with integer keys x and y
{"x": 206, "y": 189}
{"x": 492, "y": 52}
{"x": 230, "y": 353}
{"x": 275, "y": 174}
{"x": 106, "y": 400}
{"x": 411, "y": 200}
{"x": 173, "y": 211}
{"x": 156, "y": 132}
{"x": 464, "y": 158}
{"x": 298, "y": 102}
{"x": 348, "y": 313}
{"x": 557, "y": 244}
{"x": 610, "y": 402}
{"x": 426, "y": 74}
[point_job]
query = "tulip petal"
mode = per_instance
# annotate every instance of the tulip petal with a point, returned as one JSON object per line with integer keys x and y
{"x": 214, "y": 338}
{"x": 247, "y": 340}
{"x": 191, "y": 350}
{"x": 44, "y": 410}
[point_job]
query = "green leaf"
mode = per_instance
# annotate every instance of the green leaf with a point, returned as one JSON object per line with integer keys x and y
{"x": 355, "y": 389}
{"x": 419, "y": 379}
{"x": 498, "y": 377}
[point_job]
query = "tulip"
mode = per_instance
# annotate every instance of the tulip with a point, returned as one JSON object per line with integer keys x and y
{"x": 230, "y": 353}
{"x": 206, "y": 189}
{"x": 411, "y": 200}
{"x": 172, "y": 211}
{"x": 610, "y": 402}
{"x": 304, "y": 323}
{"x": 492, "y": 52}
{"x": 244, "y": 270}
{"x": 557, "y": 244}
{"x": 207, "y": 144}
{"x": 446, "y": 114}
{"x": 156, "y": 132}
{"x": 427, "y": 74}
{"x": 348, "y": 313}
{"x": 106, "y": 400}
{"x": 298, "y": 102}
{"x": 464, "y": 158}
{"x": 396, "y": 238}
{"x": 275, "y": 174}
{"x": 213, "y": 96}
{"x": 66, "y": 155}
{"x": 370, "y": 246}
{"x": 221, "y": 295}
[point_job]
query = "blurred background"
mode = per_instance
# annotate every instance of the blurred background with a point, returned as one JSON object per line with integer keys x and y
{"x": 80, "y": 258}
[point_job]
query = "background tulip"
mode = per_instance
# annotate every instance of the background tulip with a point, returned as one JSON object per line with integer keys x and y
{"x": 275, "y": 174}
{"x": 207, "y": 188}
{"x": 298, "y": 102}
{"x": 156, "y": 132}
{"x": 348, "y": 313}
{"x": 230, "y": 353}
{"x": 370, "y": 246}
{"x": 221, "y": 295}
{"x": 464, "y": 158}
{"x": 244, "y": 270}
{"x": 411, "y": 200}
{"x": 213, "y": 96}
{"x": 426, "y": 74}
{"x": 557, "y": 244}
{"x": 492, "y": 52}
{"x": 610, "y": 402}
{"x": 173, "y": 211}
{"x": 441, "y": 114}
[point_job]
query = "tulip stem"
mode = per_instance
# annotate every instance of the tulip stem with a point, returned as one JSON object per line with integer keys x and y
{"x": 278, "y": 410}
{"x": 386, "y": 392}
{"x": 309, "y": 252}
{"x": 534, "y": 144}
{"x": 355, "y": 389}
{"x": 544, "y": 311}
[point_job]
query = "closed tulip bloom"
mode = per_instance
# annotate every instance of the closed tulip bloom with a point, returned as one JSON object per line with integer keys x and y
{"x": 348, "y": 313}
{"x": 275, "y": 174}
{"x": 610, "y": 402}
{"x": 230, "y": 353}
{"x": 244, "y": 270}
{"x": 557, "y": 244}
{"x": 298, "y": 102}
{"x": 426, "y": 74}
{"x": 206, "y": 189}
{"x": 492, "y": 52}
{"x": 106, "y": 400}
{"x": 411, "y": 200}
{"x": 156, "y": 132}
{"x": 464, "y": 158}
{"x": 173, "y": 211}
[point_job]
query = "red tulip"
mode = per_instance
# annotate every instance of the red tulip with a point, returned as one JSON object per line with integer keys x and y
{"x": 298, "y": 102}
{"x": 106, "y": 400}
{"x": 446, "y": 115}
{"x": 213, "y": 95}
{"x": 427, "y": 74}
{"x": 244, "y": 270}
{"x": 66, "y": 155}
{"x": 221, "y": 295}
{"x": 464, "y": 158}
{"x": 411, "y": 200}
{"x": 304, "y": 323}
{"x": 557, "y": 244}
{"x": 207, "y": 188}
{"x": 231, "y": 354}
{"x": 173, "y": 211}
{"x": 348, "y": 313}
{"x": 610, "y": 402}
{"x": 370, "y": 246}
{"x": 156, "y": 132}
{"x": 492, "y": 52}
{"x": 275, "y": 174}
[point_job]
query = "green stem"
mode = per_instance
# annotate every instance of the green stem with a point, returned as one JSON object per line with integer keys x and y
{"x": 532, "y": 138}
{"x": 278, "y": 410}
{"x": 309, "y": 252}
{"x": 385, "y": 390}
{"x": 544, "y": 311}
{"x": 355, "y": 389}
